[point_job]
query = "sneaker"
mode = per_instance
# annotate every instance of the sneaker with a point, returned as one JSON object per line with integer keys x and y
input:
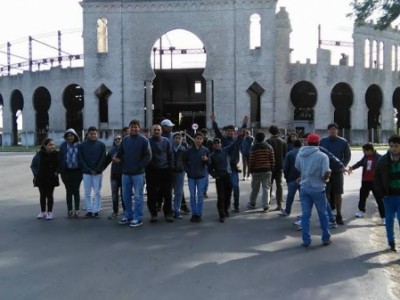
{"x": 333, "y": 224}
{"x": 383, "y": 221}
{"x": 277, "y": 208}
{"x": 89, "y": 215}
{"x": 298, "y": 217}
{"x": 76, "y": 214}
{"x": 339, "y": 219}
{"x": 198, "y": 219}
{"x": 222, "y": 219}
{"x": 177, "y": 217}
{"x": 41, "y": 215}
{"x": 185, "y": 209}
{"x": 169, "y": 219}
{"x": 283, "y": 213}
{"x": 70, "y": 214}
{"x": 124, "y": 221}
{"x": 327, "y": 243}
{"x": 96, "y": 215}
{"x": 193, "y": 218}
{"x": 251, "y": 206}
{"x": 265, "y": 209}
{"x": 297, "y": 225}
{"x": 359, "y": 214}
{"x": 49, "y": 216}
{"x": 136, "y": 223}
{"x": 236, "y": 210}
{"x": 153, "y": 219}
{"x": 226, "y": 214}
{"x": 392, "y": 246}
{"x": 113, "y": 216}
{"x": 305, "y": 245}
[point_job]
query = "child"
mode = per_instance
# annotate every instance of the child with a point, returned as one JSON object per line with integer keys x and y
{"x": 387, "y": 185}
{"x": 368, "y": 163}
{"x": 44, "y": 167}
{"x": 195, "y": 162}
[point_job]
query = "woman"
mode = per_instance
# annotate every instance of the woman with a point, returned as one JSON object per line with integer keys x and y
{"x": 44, "y": 167}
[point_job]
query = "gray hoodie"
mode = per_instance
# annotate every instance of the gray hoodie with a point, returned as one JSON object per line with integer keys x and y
{"x": 312, "y": 164}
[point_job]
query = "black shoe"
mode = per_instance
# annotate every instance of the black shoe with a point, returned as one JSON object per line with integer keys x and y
{"x": 169, "y": 218}
{"x": 339, "y": 219}
{"x": 327, "y": 243}
{"x": 89, "y": 215}
{"x": 198, "y": 219}
{"x": 221, "y": 219}
{"x": 236, "y": 210}
{"x": 185, "y": 209}
{"x": 96, "y": 215}
{"x": 227, "y": 214}
{"x": 392, "y": 246}
{"x": 193, "y": 218}
{"x": 153, "y": 219}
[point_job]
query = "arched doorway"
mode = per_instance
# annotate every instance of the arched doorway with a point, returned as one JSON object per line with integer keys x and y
{"x": 304, "y": 97}
{"x": 74, "y": 100}
{"x": 374, "y": 100}
{"x": 41, "y": 103}
{"x": 342, "y": 100}
{"x": 178, "y": 60}
{"x": 17, "y": 105}
{"x": 396, "y": 106}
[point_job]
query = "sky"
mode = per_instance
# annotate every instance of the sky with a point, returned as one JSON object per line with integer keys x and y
{"x": 23, "y": 18}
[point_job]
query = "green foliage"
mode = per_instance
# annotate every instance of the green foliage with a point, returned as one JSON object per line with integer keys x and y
{"x": 386, "y": 11}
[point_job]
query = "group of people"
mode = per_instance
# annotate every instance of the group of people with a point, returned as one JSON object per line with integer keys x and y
{"x": 160, "y": 161}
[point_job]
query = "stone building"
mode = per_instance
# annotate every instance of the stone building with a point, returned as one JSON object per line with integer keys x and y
{"x": 243, "y": 75}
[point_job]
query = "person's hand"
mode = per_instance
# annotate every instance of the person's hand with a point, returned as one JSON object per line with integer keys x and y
{"x": 204, "y": 158}
{"x": 349, "y": 170}
{"x": 116, "y": 160}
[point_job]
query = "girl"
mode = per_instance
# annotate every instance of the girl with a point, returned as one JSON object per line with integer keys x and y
{"x": 44, "y": 167}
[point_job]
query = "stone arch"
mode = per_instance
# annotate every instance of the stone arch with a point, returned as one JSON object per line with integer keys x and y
{"x": 17, "y": 105}
{"x": 41, "y": 103}
{"x": 74, "y": 101}
{"x": 255, "y": 91}
{"x": 179, "y": 88}
{"x": 303, "y": 96}
{"x": 396, "y": 106}
{"x": 374, "y": 100}
{"x": 342, "y": 98}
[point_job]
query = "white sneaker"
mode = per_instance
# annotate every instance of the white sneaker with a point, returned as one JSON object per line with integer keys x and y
{"x": 359, "y": 214}
{"x": 383, "y": 222}
{"x": 49, "y": 216}
{"x": 41, "y": 215}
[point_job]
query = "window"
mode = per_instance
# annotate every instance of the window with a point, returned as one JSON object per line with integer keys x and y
{"x": 197, "y": 87}
{"x": 102, "y": 35}
{"x": 255, "y": 31}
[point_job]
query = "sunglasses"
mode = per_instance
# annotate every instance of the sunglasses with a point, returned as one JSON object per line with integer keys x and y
{"x": 117, "y": 139}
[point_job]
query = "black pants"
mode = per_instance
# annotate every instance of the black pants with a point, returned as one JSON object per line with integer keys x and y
{"x": 159, "y": 185}
{"x": 46, "y": 195}
{"x": 224, "y": 191}
{"x": 366, "y": 188}
{"x": 72, "y": 180}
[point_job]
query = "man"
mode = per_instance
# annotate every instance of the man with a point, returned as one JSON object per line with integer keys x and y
{"x": 280, "y": 150}
{"x": 387, "y": 185}
{"x": 159, "y": 175}
{"x": 314, "y": 168}
{"x": 340, "y": 148}
{"x": 134, "y": 154}
{"x": 234, "y": 157}
{"x": 209, "y": 145}
{"x": 261, "y": 164}
{"x": 245, "y": 150}
{"x": 92, "y": 154}
{"x": 167, "y": 127}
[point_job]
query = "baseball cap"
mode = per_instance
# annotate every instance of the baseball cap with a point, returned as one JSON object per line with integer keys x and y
{"x": 313, "y": 138}
{"x": 167, "y": 123}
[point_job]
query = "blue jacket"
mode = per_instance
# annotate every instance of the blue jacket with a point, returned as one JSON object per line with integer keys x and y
{"x": 289, "y": 171}
{"x": 339, "y": 147}
{"x": 334, "y": 163}
{"x": 162, "y": 156}
{"x": 194, "y": 166}
{"x": 135, "y": 154}
{"x": 363, "y": 162}
{"x": 92, "y": 155}
{"x": 246, "y": 145}
{"x": 116, "y": 168}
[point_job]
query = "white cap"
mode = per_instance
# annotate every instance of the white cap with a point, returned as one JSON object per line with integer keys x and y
{"x": 167, "y": 122}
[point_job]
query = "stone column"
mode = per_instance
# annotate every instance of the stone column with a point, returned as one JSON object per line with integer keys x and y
{"x": 209, "y": 102}
{"x": 149, "y": 104}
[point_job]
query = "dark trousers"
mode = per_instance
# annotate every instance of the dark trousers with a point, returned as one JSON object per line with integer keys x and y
{"x": 72, "y": 180}
{"x": 116, "y": 190}
{"x": 159, "y": 185}
{"x": 224, "y": 191}
{"x": 46, "y": 196}
{"x": 366, "y": 188}
{"x": 277, "y": 178}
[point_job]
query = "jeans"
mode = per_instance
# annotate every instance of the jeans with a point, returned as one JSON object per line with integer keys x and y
{"x": 178, "y": 179}
{"x": 90, "y": 182}
{"x": 293, "y": 187}
{"x": 392, "y": 209}
{"x": 235, "y": 188}
{"x": 196, "y": 203}
{"x": 308, "y": 198}
{"x": 136, "y": 182}
{"x": 263, "y": 179}
{"x": 116, "y": 189}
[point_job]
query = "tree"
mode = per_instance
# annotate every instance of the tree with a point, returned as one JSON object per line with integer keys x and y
{"x": 386, "y": 11}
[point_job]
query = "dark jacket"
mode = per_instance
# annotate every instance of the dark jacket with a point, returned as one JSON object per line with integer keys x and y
{"x": 262, "y": 158}
{"x": 162, "y": 156}
{"x": 194, "y": 166}
{"x": 92, "y": 155}
{"x": 289, "y": 170}
{"x": 280, "y": 150}
{"x": 363, "y": 162}
{"x": 44, "y": 167}
{"x": 382, "y": 176}
{"x": 334, "y": 163}
{"x": 339, "y": 147}
{"x": 179, "y": 154}
{"x": 135, "y": 153}
{"x": 116, "y": 168}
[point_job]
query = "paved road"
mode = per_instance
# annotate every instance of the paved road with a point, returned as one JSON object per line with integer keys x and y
{"x": 251, "y": 256}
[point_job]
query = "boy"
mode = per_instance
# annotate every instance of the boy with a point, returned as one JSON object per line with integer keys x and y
{"x": 387, "y": 185}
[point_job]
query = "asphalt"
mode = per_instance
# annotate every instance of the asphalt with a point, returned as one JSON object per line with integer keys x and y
{"x": 253, "y": 255}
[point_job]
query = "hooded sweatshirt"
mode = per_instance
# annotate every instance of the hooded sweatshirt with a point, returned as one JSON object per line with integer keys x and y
{"x": 68, "y": 157}
{"x": 312, "y": 164}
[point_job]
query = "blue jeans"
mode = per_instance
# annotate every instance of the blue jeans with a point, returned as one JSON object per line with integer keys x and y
{"x": 196, "y": 185}
{"x": 308, "y": 198}
{"x": 136, "y": 182}
{"x": 392, "y": 208}
{"x": 92, "y": 182}
{"x": 178, "y": 179}
{"x": 293, "y": 187}
{"x": 235, "y": 188}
